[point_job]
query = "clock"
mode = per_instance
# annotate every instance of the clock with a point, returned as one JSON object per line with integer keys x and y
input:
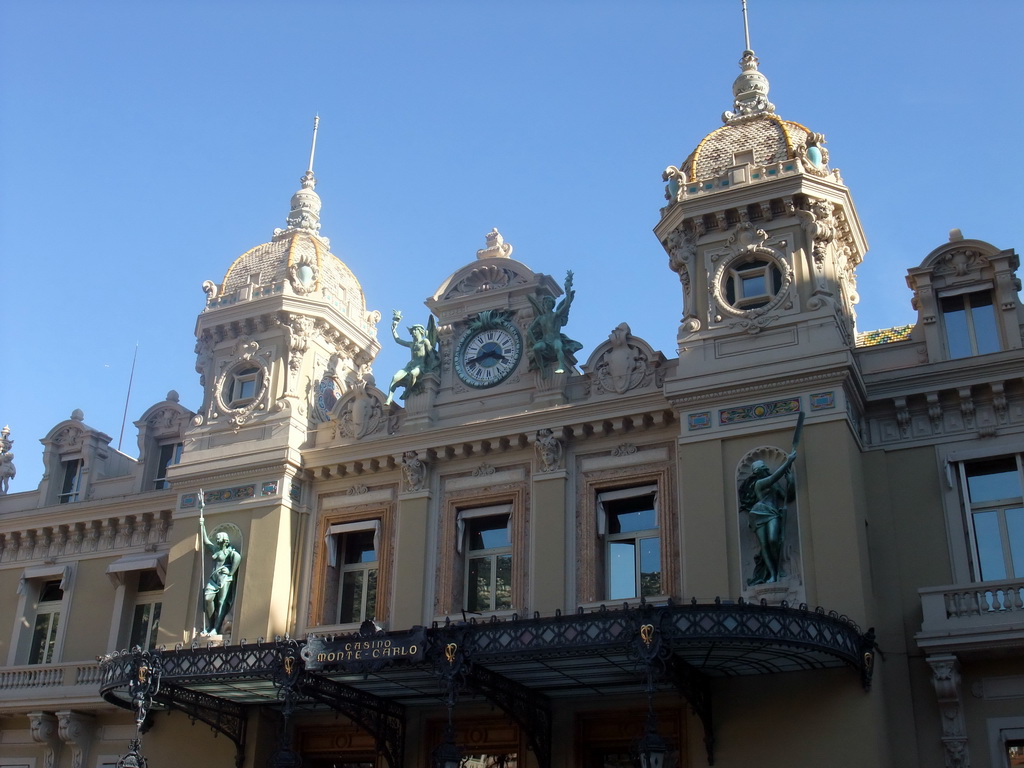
{"x": 488, "y": 352}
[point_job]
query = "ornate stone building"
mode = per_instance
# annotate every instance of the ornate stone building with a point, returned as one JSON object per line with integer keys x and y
{"x": 539, "y": 555}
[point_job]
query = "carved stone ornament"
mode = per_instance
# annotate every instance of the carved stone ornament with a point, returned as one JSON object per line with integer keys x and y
{"x": 623, "y": 366}
{"x": 813, "y": 155}
{"x": 247, "y": 356}
{"x": 751, "y": 92}
{"x": 300, "y": 330}
{"x": 744, "y": 244}
{"x": 77, "y": 730}
{"x": 44, "y": 730}
{"x": 821, "y": 227}
{"x": 947, "y": 682}
{"x": 414, "y": 471}
{"x": 7, "y": 471}
{"x": 304, "y": 274}
{"x": 361, "y": 412}
{"x": 681, "y": 245}
{"x": 549, "y": 450}
{"x": 496, "y": 247}
{"x": 70, "y": 438}
{"x": 961, "y": 262}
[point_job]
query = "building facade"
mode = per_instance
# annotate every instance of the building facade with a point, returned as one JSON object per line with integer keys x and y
{"x": 540, "y": 555}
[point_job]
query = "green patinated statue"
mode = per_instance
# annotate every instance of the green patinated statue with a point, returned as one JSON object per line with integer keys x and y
{"x": 547, "y": 342}
{"x": 219, "y": 592}
{"x": 764, "y": 496}
{"x": 424, "y": 356}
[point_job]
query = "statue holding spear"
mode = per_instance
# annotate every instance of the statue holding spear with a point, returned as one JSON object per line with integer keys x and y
{"x": 219, "y": 592}
{"x": 764, "y": 496}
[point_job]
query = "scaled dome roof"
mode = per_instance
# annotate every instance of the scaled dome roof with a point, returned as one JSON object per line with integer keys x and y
{"x": 769, "y": 137}
{"x": 300, "y": 256}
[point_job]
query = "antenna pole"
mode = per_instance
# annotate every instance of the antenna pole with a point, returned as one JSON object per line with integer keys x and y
{"x": 746, "y": 29}
{"x": 312, "y": 149}
{"x": 131, "y": 378}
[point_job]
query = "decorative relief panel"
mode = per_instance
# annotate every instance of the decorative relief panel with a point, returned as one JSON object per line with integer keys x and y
{"x": 624, "y": 363}
{"x": 752, "y": 280}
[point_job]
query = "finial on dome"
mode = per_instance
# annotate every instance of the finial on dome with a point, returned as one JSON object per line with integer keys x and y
{"x": 305, "y": 212}
{"x": 750, "y": 89}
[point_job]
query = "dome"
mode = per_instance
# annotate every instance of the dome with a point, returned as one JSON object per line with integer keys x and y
{"x": 769, "y": 139}
{"x": 301, "y": 259}
{"x": 753, "y": 136}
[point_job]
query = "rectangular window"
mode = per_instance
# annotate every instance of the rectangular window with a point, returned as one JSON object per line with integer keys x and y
{"x": 970, "y": 323}
{"x": 995, "y": 503}
{"x": 146, "y": 617}
{"x": 351, "y": 597}
{"x": 628, "y": 520}
{"x": 170, "y": 454}
{"x": 44, "y": 635}
{"x": 486, "y": 540}
{"x": 71, "y": 482}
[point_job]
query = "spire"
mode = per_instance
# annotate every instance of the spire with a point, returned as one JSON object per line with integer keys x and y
{"x": 305, "y": 212}
{"x": 750, "y": 89}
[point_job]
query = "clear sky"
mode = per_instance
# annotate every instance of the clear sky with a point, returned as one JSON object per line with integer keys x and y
{"x": 144, "y": 146}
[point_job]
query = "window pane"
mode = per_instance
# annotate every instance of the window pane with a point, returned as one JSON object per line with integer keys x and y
{"x": 983, "y": 317}
{"x": 632, "y": 514}
{"x": 144, "y": 626}
{"x": 489, "y": 533}
{"x": 478, "y": 597}
{"x": 994, "y": 479}
{"x": 149, "y": 581}
{"x": 359, "y": 548}
{"x": 352, "y": 597}
{"x": 958, "y": 336}
{"x": 1015, "y": 533}
{"x": 650, "y": 567}
{"x": 754, "y": 286}
{"x": 628, "y": 522}
{"x": 371, "y": 594}
{"x": 72, "y": 480}
{"x": 621, "y": 569}
{"x": 503, "y": 582}
{"x": 51, "y": 592}
{"x": 990, "y": 549}
{"x": 44, "y": 637}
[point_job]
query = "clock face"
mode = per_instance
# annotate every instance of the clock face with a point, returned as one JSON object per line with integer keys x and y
{"x": 488, "y": 357}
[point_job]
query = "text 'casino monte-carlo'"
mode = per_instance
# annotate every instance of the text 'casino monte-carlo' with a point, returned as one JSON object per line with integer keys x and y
{"x": 787, "y": 542}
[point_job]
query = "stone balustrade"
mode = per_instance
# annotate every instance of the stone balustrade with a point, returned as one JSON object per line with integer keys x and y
{"x": 961, "y": 615}
{"x": 50, "y": 682}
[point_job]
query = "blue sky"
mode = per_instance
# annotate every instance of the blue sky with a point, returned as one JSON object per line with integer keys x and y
{"x": 144, "y": 146}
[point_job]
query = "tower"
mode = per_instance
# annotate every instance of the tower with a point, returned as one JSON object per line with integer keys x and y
{"x": 765, "y": 239}
{"x": 283, "y": 336}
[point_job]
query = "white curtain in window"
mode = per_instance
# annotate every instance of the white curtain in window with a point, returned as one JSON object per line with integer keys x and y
{"x": 470, "y": 514}
{"x": 625, "y": 493}
{"x": 342, "y": 528}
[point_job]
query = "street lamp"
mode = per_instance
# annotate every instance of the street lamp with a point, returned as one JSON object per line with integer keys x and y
{"x": 447, "y": 754}
{"x": 652, "y": 749}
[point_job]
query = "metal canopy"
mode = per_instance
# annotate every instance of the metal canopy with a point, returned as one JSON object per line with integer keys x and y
{"x": 516, "y": 664}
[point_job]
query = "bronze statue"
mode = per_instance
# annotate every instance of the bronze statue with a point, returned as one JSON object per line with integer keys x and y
{"x": 765, "y": 496}
{"x": 219, "y": 593}
{"x": 547, "y": 342}
{"x": 424, "y": 357}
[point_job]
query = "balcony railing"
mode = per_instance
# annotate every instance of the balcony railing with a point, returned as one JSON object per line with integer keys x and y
{"x": 45, "y": 682}
{"x": 966, "y": 616}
